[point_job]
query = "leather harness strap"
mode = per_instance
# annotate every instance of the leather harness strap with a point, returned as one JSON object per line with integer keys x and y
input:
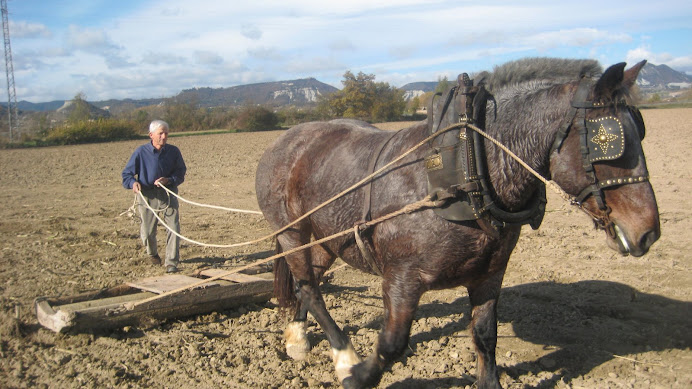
{"x": 367, "y": 203}
{"x": 367, "y": 189}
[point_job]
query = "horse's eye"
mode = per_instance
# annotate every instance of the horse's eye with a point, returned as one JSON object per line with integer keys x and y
{"x": 638, "y": 121}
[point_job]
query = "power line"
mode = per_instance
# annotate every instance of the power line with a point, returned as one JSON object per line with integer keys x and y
{"x": 12, "y": 111}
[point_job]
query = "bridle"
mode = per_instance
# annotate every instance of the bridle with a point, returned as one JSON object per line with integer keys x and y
{"x": 601, "y": 139}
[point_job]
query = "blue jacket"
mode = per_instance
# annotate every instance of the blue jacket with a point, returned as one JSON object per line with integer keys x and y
{"x": 147, "y": 164}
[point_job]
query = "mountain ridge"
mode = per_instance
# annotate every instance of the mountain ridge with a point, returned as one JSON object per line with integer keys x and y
{"x": 305, "y": 92}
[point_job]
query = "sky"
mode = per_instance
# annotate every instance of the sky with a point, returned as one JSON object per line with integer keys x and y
{"x": 136, "y": 49}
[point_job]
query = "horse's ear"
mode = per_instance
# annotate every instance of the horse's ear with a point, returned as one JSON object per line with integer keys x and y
{"x": 632, "y": 73}
{"x": 610, "y": 81}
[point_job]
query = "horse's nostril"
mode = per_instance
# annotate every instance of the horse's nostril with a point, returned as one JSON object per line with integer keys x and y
{"x": 648, "y": 239}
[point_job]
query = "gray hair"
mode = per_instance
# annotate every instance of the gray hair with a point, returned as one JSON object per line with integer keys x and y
{"x": 156, "y": 124}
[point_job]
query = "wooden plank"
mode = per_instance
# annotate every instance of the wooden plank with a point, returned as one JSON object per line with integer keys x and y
{"x": 163, "y": 284}
{"x": 81, "y": 314}
{"x": 104, "y": 303}
{"x": 234, "y": 277}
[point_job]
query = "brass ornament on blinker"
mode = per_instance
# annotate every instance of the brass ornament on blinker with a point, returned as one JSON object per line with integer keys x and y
{"x": 606, "y": 138}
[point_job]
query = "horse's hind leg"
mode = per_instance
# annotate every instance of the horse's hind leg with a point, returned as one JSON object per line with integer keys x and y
{"x": 307, "y": 267}
{"x": 343, "y": 353}
{"x": 297, "y": 344}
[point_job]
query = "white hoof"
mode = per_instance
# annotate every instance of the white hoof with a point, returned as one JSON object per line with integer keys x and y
{"x": 297, "y": 344}
{"x": 344, "y": 360}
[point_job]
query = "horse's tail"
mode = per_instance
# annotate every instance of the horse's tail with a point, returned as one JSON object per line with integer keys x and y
{"x": 283, "y": 282}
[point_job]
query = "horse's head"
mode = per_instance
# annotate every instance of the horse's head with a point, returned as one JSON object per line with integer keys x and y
{"x": 598, "y": 158}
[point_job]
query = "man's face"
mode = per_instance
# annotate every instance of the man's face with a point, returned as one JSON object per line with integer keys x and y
{"x": 158, "y": 138}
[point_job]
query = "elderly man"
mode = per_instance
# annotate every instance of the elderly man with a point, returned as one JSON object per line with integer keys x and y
{"x": 152, "y": 166}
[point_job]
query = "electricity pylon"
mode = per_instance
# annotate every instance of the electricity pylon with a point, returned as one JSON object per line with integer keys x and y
{"x": 12, "y": 111}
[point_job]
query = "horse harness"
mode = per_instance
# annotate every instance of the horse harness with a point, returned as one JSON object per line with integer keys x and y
{"x": 457, "y": 167}
{"x": 601, "y": 139}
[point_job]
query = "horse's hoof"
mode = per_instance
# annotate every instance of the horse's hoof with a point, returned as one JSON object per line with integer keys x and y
{"x": 297, "y": 344}
{"x": 349, "y": 383}
{"x": 344, "y": 360}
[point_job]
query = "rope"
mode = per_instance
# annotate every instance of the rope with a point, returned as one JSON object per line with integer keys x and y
{"x": 194, "y": 241}
{"x": 424, "y": 203}
{"x": 317, "y": 208}
{"x": 170, "y": 192}
{"x": 549, "y": 183}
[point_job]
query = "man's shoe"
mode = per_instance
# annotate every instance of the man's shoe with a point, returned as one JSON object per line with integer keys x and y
{"x": 155, "y": 259}
{"x": 171, "y": 269}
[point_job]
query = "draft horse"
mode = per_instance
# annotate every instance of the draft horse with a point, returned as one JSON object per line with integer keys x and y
{"x": 567, "y": 119}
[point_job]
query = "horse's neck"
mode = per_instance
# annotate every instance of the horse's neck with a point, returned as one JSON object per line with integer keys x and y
{"x": 525, "y": 128}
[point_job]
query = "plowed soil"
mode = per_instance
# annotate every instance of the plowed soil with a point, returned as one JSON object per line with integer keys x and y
{"x": 573, "y": 313}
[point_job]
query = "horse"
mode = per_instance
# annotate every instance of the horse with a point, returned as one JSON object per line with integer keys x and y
{"x": 539, "y": 108}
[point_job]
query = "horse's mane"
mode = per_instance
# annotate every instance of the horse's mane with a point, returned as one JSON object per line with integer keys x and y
{"x": 541, "y": 70}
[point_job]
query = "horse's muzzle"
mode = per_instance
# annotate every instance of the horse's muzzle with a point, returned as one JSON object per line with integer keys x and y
{"x": 625, "y": 246}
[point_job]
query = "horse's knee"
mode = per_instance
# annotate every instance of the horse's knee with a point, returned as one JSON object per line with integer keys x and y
{"x": 297, "y": 344}
{"x": 344, "y": 360}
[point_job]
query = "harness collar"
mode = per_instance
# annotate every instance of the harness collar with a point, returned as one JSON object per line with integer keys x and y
{"x": 456, "y": 163}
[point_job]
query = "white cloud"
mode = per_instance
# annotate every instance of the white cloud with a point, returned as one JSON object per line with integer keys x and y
{"x": 681, "y": 64}
{"x": 400, "y": 41}
{"x": 250, "y": 31}
{"x": 208, "y": 57}
{"x": 579, "y": 37}
{"x": 22, "y": 29}
{"x": 90, "y": 40}
{"x": 265, "y": 53}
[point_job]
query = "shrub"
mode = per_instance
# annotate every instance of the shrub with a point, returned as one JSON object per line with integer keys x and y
{"x": 87, "y": 131}
{"x": 256, "y": 118}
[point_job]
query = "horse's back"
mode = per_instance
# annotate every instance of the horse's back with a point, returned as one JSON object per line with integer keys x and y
{"x": 311, "y": 162}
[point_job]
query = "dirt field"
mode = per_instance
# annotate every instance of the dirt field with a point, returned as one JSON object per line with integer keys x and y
{"x": 573, "y": 314}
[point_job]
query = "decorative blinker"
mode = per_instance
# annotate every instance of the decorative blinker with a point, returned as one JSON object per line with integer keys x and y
{"x": 605, "y": 139}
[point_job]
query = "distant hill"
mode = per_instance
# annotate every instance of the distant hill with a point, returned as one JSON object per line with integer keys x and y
{"x": 304, "y": 92}
{"x": 416, "y": 89}
{"x": 300, "y": 92}
{"x": 662, "y": 76}
{"x": 68, "y": 107}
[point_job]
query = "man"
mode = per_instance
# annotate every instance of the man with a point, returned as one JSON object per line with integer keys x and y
{"x": 152, "y": 166}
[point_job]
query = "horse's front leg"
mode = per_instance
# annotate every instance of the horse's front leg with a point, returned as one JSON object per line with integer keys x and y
{"x": 401, "y": 295}
{"x": 484, "y": 330}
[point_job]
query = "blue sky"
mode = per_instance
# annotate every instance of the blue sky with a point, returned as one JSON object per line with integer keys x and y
{"x": 151, "y": 48}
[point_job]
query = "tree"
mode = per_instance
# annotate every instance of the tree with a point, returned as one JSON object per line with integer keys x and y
{"x": 413, "y": 105}
{"x": 256, "y": 118}
{"x": 363, "y": 98}
{"x": 181, "y": 116}
{"x": 81, "y": 109}
{"x": 442, "y": 84}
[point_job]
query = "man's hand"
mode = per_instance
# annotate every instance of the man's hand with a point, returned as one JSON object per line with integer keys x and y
{"x": 163, "y": 181}
{"x": 136, "y": 187}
